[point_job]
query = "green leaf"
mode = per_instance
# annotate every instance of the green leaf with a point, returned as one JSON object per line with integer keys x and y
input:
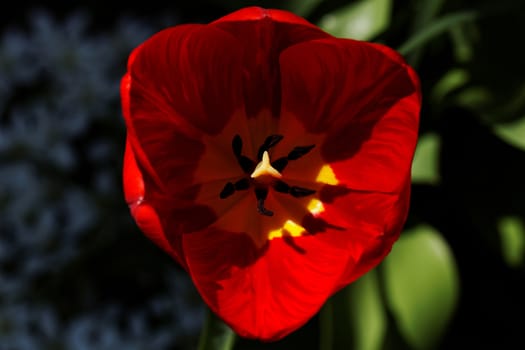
{"x": 512, "y": 235}
{"x": 512, "y": 133}
{"x": 476, "y": 97}
{"x": 334, "y": 324}
{"x": 452, "y": 80}
{"x": 421, "y": 286}
{"x": 425, "y": 167}
{"x": 463, "y": 38}
{"x": 301, "y": 7}
{"x": 361, "y": 20}
{"x": 434, "y": 29}
{"x": 367, "y": 313}
{"x": 425, "y": 11}
{"x": 355, "y": 317}
{"x": 215, "y": 334}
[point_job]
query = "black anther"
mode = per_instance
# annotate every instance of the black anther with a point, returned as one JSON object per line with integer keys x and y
{"x": 227, "y": 191}
{"x": 280, "y": 164}
{"x": 261, "y": 194}
{"x": 270, "y": 141}
{"x": 300, "y": 191}
{"x": 247, "y": 165}
{"x": 242, "y": 184}
{"x": 299, "y": 151}
{"x": 281, "y": 186}
{"x": 237, "y": 145}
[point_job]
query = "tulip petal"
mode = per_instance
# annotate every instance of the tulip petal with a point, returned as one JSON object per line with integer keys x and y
{"x": 264, "y": 34}
{"x": 145, "y": 214}
{"x": 173, "y": 103}
{"x": 364, "y": 101}
{"x": 198, "y": 100}
{"x": 255, "y": 13}
{"x": 269, "y": 292}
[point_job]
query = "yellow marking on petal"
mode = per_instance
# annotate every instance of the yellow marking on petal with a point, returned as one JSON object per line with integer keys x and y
{"x": 265, "y": 168}
{"x": 291, "y": 229}
{"x": 315, "y": 206}
{"x": 326, "y": 175}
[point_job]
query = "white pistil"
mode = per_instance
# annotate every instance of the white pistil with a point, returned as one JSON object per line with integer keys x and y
{"x": 265, "y": 168}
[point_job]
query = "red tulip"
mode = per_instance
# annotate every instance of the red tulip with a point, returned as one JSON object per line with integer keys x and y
{"x": 270, "y": 159}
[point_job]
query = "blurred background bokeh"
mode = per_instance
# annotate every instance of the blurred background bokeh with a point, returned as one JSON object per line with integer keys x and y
{"x": 76, "y": 273}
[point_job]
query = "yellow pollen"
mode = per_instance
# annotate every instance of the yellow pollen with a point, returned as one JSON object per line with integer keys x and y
{"x": 290, "y": 228}
{"x": 265, "y": 168}
{"x": 326, "y": 175}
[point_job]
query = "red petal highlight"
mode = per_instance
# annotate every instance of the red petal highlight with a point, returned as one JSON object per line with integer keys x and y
{"x": 363, "y": 99}
{"x": 265, "y": 293}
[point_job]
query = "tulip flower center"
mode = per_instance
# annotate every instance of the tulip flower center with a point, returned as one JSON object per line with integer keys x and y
{"x": 265, "y": 174}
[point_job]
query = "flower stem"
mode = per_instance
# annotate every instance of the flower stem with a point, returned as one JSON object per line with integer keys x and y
{"x": 215, "y": 334}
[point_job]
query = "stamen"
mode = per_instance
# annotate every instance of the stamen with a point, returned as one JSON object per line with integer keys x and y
{"x": 280, "y": 164}
{"x": 294, "y": 154}
{"x": 227, "y": 191}
{"x": 245, "y": 163}
{"x": 296, "y": 191}
{"x": 237, "y": 145}
{"x": 281, "y": 186}
{"x": 242, "y": 184}
{"x": 265, "y": 173}
{"x": 270, "y": 141}
{"x": 299, "y": 151}
{"x": 261, "y": 194}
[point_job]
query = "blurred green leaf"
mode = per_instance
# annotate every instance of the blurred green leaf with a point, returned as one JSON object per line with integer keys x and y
{"x": 215, "y": 335}
{"x": 512, "y": 107}
{"x": 475, "y": 97}
{"x": 425, "y": 11}
{"x": 355, "y": 317}
{"x": 513, "y": 133}
{"x": 463, "y": 38}
{"x": 361, "y": 20}
{"x": 496, "y": 90}
{"x": 334, "y": 323}
{"x": 512, "y": 235}
{"x": 301, "y": 7}
{"x": 421, "y": 285}
{"x": 367, "y": 313}
{"x": 452, "y": 80}
{"x": 434, "y": 29}
{"x": 425, "y": 167}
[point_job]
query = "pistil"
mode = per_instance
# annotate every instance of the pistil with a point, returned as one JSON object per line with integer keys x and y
{"x": 265, "y": 174}
{"x": 265, "y": 168}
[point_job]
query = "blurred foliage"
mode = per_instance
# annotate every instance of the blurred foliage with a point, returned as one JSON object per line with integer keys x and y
{"x": 425, "y": 166}
{"x": 215, "y": 335}
{"x": 361, "y": 20}
{"x": 421, "y": 286}
{"x": 75, "y": 272}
